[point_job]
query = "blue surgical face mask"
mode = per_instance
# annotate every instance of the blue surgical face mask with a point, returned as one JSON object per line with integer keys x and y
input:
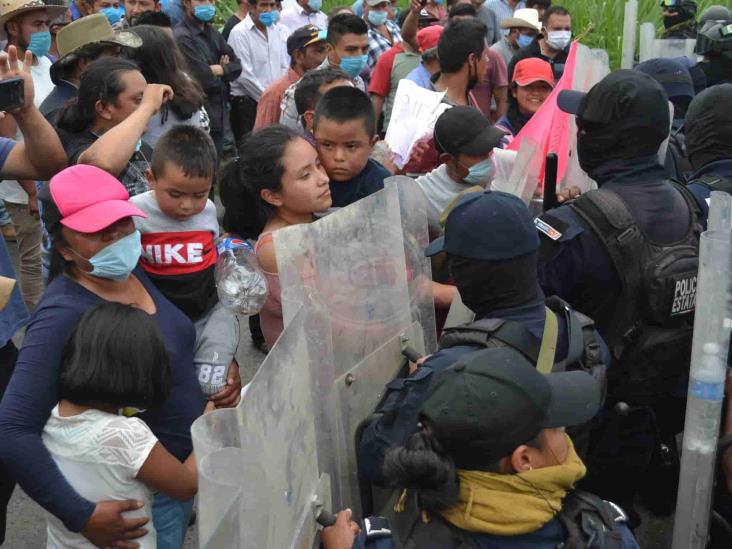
{"x": 204, "y": 13}
{"x": 117, "y": 260}
{"x": 269, "y": 18}
{"x": 439, "y": 2}
{"x": 40, "y": 43}
{"x": 524, "y": 40}
{"x": 354, "y": 64}
{"x": 378, "y": 18}
{"x": 480, "y": 173}
{"x": 315, "y": 5}
{"x": 113, "y": 15}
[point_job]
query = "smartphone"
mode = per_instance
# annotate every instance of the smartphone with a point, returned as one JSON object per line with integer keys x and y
{"x": 12, "y": 94}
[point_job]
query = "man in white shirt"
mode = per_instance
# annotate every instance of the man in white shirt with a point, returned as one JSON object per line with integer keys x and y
{"x": 305, "y": 12}
{"x": 260, "y": 43}
{"x": 25, "y": 25}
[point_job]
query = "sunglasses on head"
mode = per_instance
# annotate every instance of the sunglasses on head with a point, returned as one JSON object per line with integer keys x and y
{"x": 669, "y": 3}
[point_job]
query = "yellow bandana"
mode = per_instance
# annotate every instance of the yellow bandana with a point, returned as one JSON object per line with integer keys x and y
{"x": 510, "y": 505}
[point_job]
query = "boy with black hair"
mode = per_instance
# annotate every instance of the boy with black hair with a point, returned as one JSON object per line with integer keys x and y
{"x": 178, "y": 246}
{"x": 308, "y": 91}
{"x": 348, "y": 46}
{"x": 345, "y": 132}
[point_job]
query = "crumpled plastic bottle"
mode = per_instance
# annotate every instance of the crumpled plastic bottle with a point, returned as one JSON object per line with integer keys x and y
{"x": 240, "y": 283}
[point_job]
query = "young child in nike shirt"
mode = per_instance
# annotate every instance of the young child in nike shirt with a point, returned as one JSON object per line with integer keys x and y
{"x": 179, "y": 247}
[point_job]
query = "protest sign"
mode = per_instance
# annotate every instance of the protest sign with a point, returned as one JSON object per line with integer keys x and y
{"x": 413, "y": 117}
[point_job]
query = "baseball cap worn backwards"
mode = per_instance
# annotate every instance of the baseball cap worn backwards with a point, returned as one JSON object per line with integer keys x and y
{"x": 494, "y": 400}
{"x": 86, "y": 199}
{"x": 491, "y": 225}
{"x": 304, "y": 37}
{"x": 465, "y": 130}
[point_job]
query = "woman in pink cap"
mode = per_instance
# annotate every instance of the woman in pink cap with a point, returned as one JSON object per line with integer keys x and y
{"x": 532, "y": 83}
{"x": 95, "y": 255}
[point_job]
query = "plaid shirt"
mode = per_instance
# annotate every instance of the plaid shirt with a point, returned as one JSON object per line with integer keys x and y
{"x": 378, "y": 44}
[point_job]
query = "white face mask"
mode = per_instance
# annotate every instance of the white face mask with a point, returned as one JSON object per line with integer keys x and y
{"x": 558, "y": 40}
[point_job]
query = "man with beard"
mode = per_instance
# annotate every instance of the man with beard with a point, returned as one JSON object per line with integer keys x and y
{"x": 596, "y": 252}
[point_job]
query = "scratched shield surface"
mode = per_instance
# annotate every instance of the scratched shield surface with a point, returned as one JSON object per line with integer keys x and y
{"x": 356, "y": 287}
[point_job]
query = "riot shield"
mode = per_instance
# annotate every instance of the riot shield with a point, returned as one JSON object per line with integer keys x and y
{"x": 356, "y": 289}
{"x": 652, "y": 47}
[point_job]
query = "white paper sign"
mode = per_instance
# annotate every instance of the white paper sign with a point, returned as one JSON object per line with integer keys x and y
{"x": 413, "y": 117}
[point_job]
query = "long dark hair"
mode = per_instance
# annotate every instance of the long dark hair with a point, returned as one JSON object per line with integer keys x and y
{"x": 115, "y": 356}
{"x": 161, "y": 62}
{"x": 101, "y": 81}
{"x": 258, "y": 167}
{"x": 422, "y": 466}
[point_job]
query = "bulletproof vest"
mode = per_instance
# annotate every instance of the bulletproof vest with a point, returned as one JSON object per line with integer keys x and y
{"x": 583, "y": 350}
{"x": 649, "y": 326}
{"x": 590, "y": 522}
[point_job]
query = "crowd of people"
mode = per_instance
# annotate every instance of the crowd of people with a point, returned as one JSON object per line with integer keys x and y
{"x": 144, "y": 134}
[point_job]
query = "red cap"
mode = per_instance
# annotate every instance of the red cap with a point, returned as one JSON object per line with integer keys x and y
{"x": 89, "y": 199}
{"x": 428, "y": 37}
{"x": 532, "y": 70}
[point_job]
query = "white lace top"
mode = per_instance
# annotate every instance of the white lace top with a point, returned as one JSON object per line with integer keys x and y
{"x": 100, "y": 455}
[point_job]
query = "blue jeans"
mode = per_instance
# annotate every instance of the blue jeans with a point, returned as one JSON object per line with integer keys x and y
{"x": 4, "y": 215}
{"x": 170, "y": 518}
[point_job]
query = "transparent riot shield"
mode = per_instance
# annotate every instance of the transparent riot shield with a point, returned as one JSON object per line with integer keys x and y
{"x": 356, "y": 290}
{"x": 652, "y": 47}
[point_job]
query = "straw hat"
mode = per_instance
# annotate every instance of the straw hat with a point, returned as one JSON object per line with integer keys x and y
{"x": 525, "y": 18}
{"x": 13, "y": 8}
{"x": 92, "y": 29}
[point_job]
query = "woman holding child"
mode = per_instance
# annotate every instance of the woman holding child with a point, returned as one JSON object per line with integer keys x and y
{"x": 95, "y": 260}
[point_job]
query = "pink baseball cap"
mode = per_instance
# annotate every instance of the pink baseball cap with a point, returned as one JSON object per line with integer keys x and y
{"x": 428, "y": 37}
{"x": 88, "y": 199}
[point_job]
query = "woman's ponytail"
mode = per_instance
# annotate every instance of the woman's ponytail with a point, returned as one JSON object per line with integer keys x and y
{"x": 423, "y": 467}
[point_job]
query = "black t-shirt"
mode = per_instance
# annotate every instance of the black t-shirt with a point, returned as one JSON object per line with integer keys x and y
{"x": 132, "y": 177}
{"x": 369, "y": 181}
{"x": 231, "y": 22}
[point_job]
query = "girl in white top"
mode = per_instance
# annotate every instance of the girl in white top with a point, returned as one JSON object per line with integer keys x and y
{"x": 114, "y": 359}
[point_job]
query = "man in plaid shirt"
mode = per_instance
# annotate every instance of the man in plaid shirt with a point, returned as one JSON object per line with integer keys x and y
{"x": 383, "y": 33}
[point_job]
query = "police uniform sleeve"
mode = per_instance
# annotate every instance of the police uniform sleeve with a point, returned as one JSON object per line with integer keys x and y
{"x": 561, "y": 258}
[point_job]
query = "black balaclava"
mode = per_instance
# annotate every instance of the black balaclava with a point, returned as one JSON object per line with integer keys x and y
{"x": 486, "y": 286}
{"x": 622, "y": 117}
{"x": 685, "y": 11}
{"x": 709, "y": 126}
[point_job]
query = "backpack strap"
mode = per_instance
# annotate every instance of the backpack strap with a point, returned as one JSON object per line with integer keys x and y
{"x": 714, "y": 183}
{"x": 575, "y": 332}
{"x": 548, "y": 349}
{"x": 493, "y": 332}
{"x": 608, "y": 216}
{"x": 590, "y": 522}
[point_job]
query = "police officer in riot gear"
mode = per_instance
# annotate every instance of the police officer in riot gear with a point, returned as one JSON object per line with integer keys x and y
{"x": 597, "y": 254}
{"x": 679, "y": 18}
{"x": 714, "y": 43}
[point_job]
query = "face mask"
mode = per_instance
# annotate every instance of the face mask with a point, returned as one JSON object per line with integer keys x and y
{"x": 673, "y": 20}
{"x": 354, "y": 64}
{"x": 40, "y": 43}
{"x": 269, "y": 18}
{"x": 558, "y": 40}
{"x": 114, "y": 15}
{"x": 315, "y": 5}
{"x": 377, "y": 18}
{"x": 204, "y": 13}
{"x": 480, "y": 173}
{"x": 117, "y": 260}
{"x": 524, "y": 40}
{"x": 439, "y": 2}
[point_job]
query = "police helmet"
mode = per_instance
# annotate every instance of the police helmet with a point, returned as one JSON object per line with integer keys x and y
{"x": 715, "y": 40}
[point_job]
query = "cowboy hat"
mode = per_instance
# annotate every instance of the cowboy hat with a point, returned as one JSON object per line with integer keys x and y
{"x": 12, "y": 8}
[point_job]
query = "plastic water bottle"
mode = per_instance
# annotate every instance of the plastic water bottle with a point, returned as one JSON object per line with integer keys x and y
{"x": 706, "y": 391}
{"x": 240, "y": 283}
